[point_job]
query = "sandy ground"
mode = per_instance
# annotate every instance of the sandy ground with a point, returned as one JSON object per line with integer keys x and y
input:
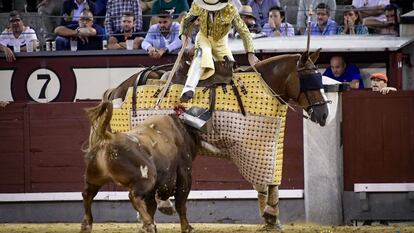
{"x": 202, "y": 228}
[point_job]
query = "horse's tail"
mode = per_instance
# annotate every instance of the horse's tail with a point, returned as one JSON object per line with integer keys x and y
{"x": 100, "y": 117}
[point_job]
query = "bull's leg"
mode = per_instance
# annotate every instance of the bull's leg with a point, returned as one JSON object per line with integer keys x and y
{"x": 148, "y": 225}
{"x": 88, "y": 194}
{"x": 181, "y": 195}
{"x": 271, "y": 212}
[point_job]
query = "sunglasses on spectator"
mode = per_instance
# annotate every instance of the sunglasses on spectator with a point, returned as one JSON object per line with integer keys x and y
{"x": 85, "y": 19}
{"x": 14, "y": 20}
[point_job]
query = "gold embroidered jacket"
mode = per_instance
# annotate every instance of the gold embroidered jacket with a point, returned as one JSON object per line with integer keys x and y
{"x": 223, "y": 20}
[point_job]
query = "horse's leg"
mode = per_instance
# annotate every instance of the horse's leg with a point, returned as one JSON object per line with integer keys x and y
{"x": 139, "y": 205}
{"x": 271, "y": 212}
{"x": 261, "y": 197}
{"x": 88, "y": 194}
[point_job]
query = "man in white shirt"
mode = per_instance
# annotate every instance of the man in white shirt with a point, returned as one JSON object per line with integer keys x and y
{"x": 17, "y": 34}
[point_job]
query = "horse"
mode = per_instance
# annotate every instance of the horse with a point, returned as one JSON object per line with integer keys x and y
{"x": 152, "y": 161}
{"x": 290, "y": 77}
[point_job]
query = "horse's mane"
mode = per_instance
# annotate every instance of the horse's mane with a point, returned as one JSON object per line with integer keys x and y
{"x": 277, "y": 59}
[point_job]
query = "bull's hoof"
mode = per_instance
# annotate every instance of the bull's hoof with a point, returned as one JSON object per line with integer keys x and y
{"x": 166, "y": 207}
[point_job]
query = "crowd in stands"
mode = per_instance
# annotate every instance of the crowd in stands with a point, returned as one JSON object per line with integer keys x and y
{"x": 66, "y": 20}
{"x": 120, "y": 24}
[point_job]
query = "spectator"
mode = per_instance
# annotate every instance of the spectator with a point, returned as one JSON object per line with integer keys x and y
{"x": 371, "y": 11}
{"x": 179, "y": 6}
{"x": 392, "y": 23}
{"x": 119, "y": 38}
{"x": 17, "y": 34}
{"x": 352, "y": 23}
{"x": 89, "y": 35}
{"x": 246, "y": 13}
{"x": 114, "y": 11}
{"x": 49, "y": 10}
{"x": 162, "y": 37}
{"x": 306, "y": 6}
{"x": 379, "y": 83}
{"x": 277, "y": 25}
{"x": 72, "y": 9}
{"x": 324, "y": 26}
{"x": 261, "y": 9}
{"x": 344, "y": 72}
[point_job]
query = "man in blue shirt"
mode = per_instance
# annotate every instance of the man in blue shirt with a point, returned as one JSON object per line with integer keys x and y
{"x": 89, "y": 35}
{"x": 324, "y": 25}
{"x": 344, "y": 72}
{"x": 162, "y": 37}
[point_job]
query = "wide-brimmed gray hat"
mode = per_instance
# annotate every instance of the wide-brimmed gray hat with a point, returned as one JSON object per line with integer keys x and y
{"x": 212, "y": 5}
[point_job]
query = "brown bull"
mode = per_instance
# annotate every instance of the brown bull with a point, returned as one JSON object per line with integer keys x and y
{"x": 152, "y": 161}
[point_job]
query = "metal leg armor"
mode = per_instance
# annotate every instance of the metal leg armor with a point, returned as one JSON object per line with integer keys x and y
{"x": 193, "y": 76}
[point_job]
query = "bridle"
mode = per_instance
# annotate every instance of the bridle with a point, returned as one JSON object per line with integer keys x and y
{"x": 310, "y": 79}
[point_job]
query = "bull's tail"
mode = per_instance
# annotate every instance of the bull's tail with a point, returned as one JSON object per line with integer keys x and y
{"x": 100, "y": 117}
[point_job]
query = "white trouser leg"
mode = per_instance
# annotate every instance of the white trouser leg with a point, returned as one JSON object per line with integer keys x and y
{"x": 193, "y": 76}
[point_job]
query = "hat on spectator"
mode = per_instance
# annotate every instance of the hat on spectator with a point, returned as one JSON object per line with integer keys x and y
{"x": 247, "y": 11}
{"x": 212, "y": 5}
{"x": 167, "y": 12}
{"x": 379, "y": 76}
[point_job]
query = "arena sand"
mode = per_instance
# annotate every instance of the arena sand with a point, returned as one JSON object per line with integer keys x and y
{"x": 203, "y": 228}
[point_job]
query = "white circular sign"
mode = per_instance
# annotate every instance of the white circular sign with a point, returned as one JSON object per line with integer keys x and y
{"x": 43, "y": 85}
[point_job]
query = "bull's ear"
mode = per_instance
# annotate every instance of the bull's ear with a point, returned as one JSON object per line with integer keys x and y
{"x": 314, "y": 56}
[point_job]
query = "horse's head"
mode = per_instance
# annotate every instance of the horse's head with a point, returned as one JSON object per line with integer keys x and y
{"x": 311, "y": 95}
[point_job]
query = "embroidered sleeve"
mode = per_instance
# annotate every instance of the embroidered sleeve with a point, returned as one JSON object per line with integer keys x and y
{"x": 189, "y": 18}
{"x": 244, "y": 33}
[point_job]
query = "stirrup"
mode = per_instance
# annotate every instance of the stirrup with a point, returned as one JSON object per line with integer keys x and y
{"x": 198, "y": 118}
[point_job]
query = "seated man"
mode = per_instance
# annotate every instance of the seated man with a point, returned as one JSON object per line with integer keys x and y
{"x": 344, "y": 72}
{"x": 371, "y": 11}
{"x": 162, "y": 37}
{"x": 391, "y": 25}
{"x": 15, "y": 34}
{"x": 246, "y": 13}
{"x": 324, "y": 25}
{"x": 119, "y": 38}
{"x": 379, "y": 83}
{"x": 88, "y": 35}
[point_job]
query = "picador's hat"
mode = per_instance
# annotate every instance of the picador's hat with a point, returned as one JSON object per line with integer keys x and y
{"x": 212, "y": 5}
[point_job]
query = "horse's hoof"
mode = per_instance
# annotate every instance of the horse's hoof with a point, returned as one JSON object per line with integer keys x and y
{"x": 269, "y": 218}
{"x": 190, "y": 229}
{"x": 86, "y": 228}
{"x": 149, "y": 229}
{"x": 273, "y": 227}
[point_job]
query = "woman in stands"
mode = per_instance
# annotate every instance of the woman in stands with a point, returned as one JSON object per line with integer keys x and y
{"x": 352, "y": 23}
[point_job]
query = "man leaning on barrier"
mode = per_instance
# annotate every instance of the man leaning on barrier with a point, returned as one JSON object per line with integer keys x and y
{"x": 16, "y": 36}
{"x": 119, "y": 39}
{"x": 88, "y": 36}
